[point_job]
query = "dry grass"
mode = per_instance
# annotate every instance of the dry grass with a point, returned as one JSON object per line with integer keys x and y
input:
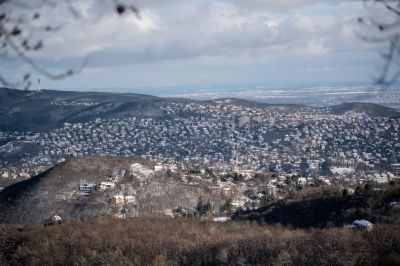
{"x": 147, "y": 241}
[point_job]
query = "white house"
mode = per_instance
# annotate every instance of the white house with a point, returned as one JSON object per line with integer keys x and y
{"x": 239, "y": 201}
{"x": 130, "y": 200}
{"x": 5, "y": 175}
{"x": 136, "y": 168}
{"x": 221, "y": 219}
{"x": 158, "y": 167}
{"x": 107, "y": 185}
{"x": 363, "y": 224}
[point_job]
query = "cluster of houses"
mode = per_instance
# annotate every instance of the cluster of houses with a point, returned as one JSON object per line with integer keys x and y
{"x": 14, "y": 173}
{"x": 110, "y": 183}
{"x": 224, "y": 193}
{"x": 302, "y": 140}
{"x": 140, "y": 172}
{"x": 237, "y": 191}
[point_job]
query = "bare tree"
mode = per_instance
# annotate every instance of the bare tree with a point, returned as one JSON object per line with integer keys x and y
{"x": 22, "y": 27}
{"x": 382, "y": 25}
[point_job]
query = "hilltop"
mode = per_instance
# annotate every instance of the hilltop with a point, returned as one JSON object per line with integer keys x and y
{"x": 47, "y": 109}
{"x": 370, "y": 109}
{"x": 143, "y": 192}
{"x": 31, "y": 201}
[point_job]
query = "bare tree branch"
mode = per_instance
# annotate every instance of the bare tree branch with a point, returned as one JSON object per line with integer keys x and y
{"x": 18, "y": 34}
{"x": 386, "y": 28}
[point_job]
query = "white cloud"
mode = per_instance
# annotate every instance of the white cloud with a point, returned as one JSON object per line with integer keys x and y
{"x": 191, "y": 29}
{"x": 272, "y": 4}
{"x": 214, "y": 33}
{"x": 147, "y": 22}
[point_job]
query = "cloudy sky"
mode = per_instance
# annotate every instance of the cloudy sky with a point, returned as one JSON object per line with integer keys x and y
{"x": 270, "y": 43}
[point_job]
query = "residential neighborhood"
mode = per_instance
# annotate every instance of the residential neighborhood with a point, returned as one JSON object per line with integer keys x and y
{"x": 303, "y": 141}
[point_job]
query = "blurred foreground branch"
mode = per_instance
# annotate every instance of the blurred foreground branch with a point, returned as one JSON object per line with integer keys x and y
{"x": 24, "y": 26}
{"x": 382, "y": 25}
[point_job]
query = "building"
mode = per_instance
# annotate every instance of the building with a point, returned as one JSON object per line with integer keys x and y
{"x": 396, "y": 168}
{"x": 107, "y": 185}
{"x": 363, "y": 224}
{"x": 158, "y": 167}
{"x": 136, "y": 168}
{"x": 55, "y": 219}
{"x": 119, "y": 199}
{"x": 130, "y": 200}
{"x": 86, "y": 188}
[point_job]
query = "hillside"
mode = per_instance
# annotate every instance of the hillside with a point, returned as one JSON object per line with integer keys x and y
{"x": 51, "y": 192}
{"x": 255, "y": 104}
{"x": 33, "y": 111}
{"x": 370, "y": 109}
{"x": 57, "y": 191}
{"x": 49, "y": 109}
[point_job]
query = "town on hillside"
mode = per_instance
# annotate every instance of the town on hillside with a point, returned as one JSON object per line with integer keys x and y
{"x": 305, "y": 142}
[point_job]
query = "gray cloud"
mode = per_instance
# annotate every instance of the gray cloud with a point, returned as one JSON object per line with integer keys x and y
{"x": 193, "y": 29}
{"x": 211, "y": 33}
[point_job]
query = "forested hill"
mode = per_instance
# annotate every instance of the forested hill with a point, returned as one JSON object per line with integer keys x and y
{"x": 49, "y": 109}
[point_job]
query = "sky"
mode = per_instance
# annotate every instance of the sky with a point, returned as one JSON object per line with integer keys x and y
{"x": 206, "y": 43}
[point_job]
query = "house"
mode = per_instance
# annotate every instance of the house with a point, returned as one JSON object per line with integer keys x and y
{"x": 221, "y": 219}
{"x": 136, "y": 168}
{"x": 119, "y": 199}
{"x": 130, "y": 200}
{"x": 107, "y": 185}
{"x": 158, "y": 167}
{"x": 363, "y": 224}
{"x": 55, "y": 219}
{"x": 5, "y": 175}
{"x": 168, "y": 213}
{"x": 86, "y": 188}
{"x": 302, "y": 180}
{"x": 25, "y": 175}
{"x": 239, "y": 201}
{"x": 396, "y": 168}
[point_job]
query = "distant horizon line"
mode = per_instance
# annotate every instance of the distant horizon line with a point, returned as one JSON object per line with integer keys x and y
{"x": 205, "y": 88}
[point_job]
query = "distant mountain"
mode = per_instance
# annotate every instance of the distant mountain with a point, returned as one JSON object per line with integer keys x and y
{"x": 370, "y": 109}
{"x": 33, "y": 111}
{"x": 254, "y": 104}
{"x": 48, "y": 109}
{"x": 31, "y": 201}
